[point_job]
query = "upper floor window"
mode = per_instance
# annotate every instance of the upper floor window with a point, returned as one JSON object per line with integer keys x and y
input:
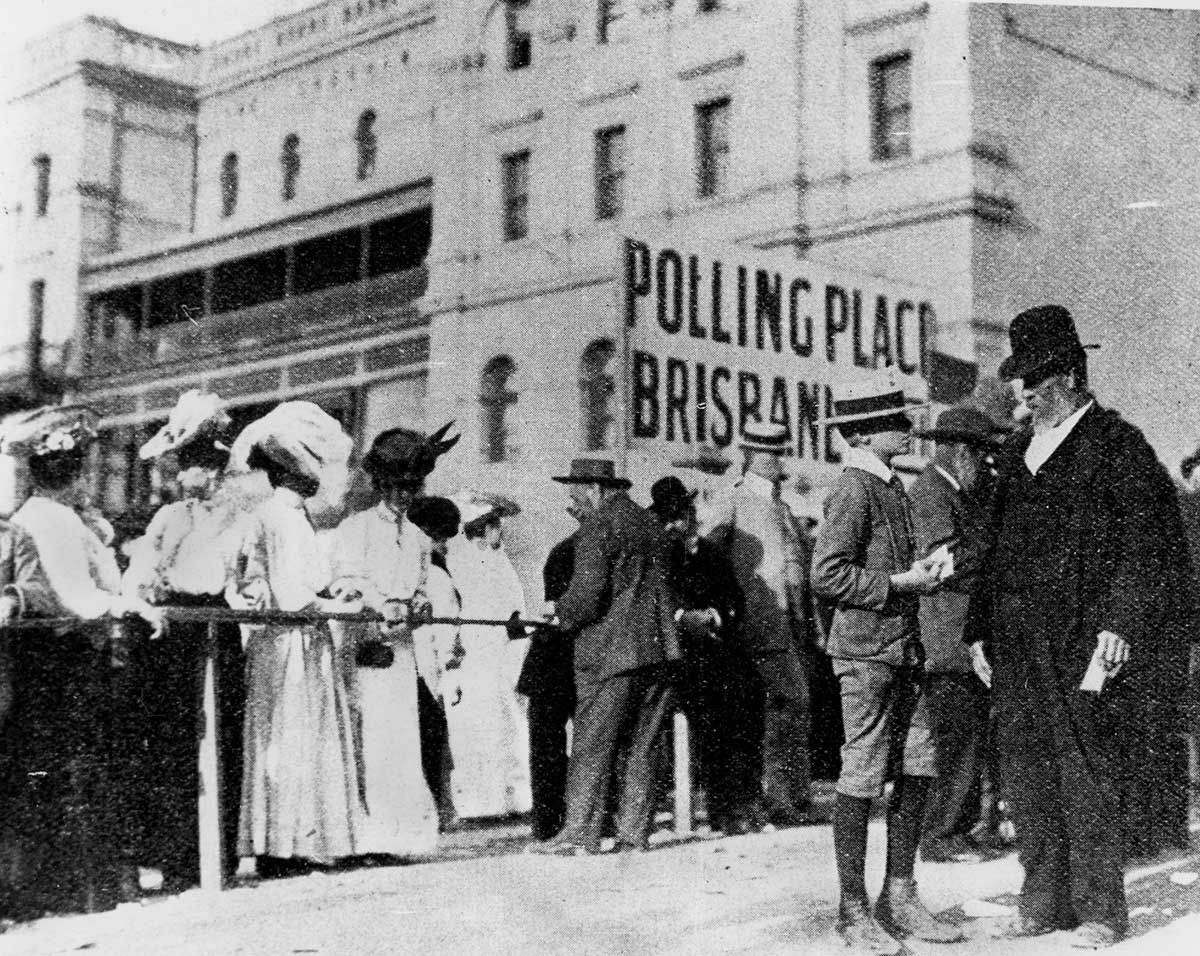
{"x": 712, "y": 147}
{"x": 229, "y": 184}
{"x": 514, "y": 181}
{"x": 289, "y": 162}
{"x": 608, "y": 13}
{"x": 496, "y": 397}
{"x": 708, "y": 6}
{"x": 891, "y": 107}
{"x": 597, "y": 393}
{"x": 37, "y": 309}
{"x": 41, "y": 184}
{"x": 610, "y": 172}
{"x": 518, "y": 34}
{"x": 367, "y": 143}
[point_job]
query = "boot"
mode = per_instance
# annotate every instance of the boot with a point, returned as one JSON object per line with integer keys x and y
{"x": 860, "y": 931}
{"x": 902, "y": 914}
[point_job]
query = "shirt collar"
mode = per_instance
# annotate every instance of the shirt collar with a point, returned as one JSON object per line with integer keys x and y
{"x": 1063, "y": 428}
{"x": 950, "y": 479}
{"x": 865, "y": 461}
{"x": 758, "y": 485}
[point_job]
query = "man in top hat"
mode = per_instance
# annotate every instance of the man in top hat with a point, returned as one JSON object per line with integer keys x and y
{"x": 948, "y": 499}
{"x": 620, "y": 608}
{"x": 752, "y": 526}
{"x": 866, "y": 566}
{"x": 1089, "y": 581}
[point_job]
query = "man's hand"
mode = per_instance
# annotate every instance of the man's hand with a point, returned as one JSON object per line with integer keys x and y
{"x": 697, "y": 623}
{"x": 921, "y": 578}
{"x": 8, "y": 608}
{"x": 979, "y": 661}
{"x": 1113, "y": 650}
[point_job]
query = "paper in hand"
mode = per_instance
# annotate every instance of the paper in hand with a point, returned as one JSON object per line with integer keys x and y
{"x": 1095, "y": 676}
{"x": 942, "y": 561}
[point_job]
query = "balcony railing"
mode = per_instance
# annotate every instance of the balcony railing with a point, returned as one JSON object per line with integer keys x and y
{"x": 299, "y": 318}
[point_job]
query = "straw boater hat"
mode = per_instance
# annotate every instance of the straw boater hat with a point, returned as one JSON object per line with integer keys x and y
{"x": 869, "y": 407}
{"x": 1038, "y": 337}
{"x": 407, "y": 456}
{"x": 707, "y": 459}
{"x": 196, "y": 430}
{"x": 964, "y": 425}
{"x": 594, "y": 471}
{"x": 764, "y": 436}
{"x": 51, "y": 429}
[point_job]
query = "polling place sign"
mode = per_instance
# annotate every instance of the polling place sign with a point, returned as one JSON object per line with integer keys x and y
{"x": 716, "y": 336}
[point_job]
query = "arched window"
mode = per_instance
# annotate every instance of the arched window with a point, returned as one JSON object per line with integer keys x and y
{"x": 495, "y": 399}
{"x": 368, "y": 145}
{"x": 597, "y": 392}
{"x": 41, "y": 185}
{"x": 229, "y": 184}
{"x": 289, "y": 162}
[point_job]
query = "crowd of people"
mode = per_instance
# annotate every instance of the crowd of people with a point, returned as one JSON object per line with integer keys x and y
{"x": 1013, "y": 625}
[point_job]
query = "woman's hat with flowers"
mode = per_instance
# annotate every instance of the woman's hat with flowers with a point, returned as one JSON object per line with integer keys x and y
{"x": 48, "y": 430}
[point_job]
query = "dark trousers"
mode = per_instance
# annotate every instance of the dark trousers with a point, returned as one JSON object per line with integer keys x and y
{"x": 548, "y": 716}
{"x": 436, "y": 762}
{"x": 616, "y": 749}
{"x": 958, "y": 716}
{"x": 786, "y": 772}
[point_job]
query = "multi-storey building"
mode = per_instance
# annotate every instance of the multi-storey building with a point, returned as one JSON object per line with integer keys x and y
{"x": 411, "y": 211}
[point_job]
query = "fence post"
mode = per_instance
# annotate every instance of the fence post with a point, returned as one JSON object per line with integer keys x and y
{"x": 210, "y": 772}
{"x": 683, "y": 776}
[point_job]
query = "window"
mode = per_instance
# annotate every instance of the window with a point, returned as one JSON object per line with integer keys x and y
{"x": 518, "y": 34}
{"x": 229, "y": 184}
{"x": 326, "y": 261}
{"x": 248, "y": 282}
{"x": 597, "y": 392}
{"x": 608, "y": 12}
{"x": 514, "y": 181}
{"x": 37, "y": 309}
{"x": 712, "y": 147}
{"x": 891, "y": 107}
{"x": 495, "y": 399}
{"x": 177, "y": 298}
{"x": 289, "y": 161}
{"x": 400, "y": 243}
{"x": 365, "y": 140}
{"x": 41, "y": 185}
{"x": 610, "y": 172}
{"x": 708, "y": 6}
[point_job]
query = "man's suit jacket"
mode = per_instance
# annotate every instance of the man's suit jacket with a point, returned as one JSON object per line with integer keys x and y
{"x": 619, "y": 602}
{"x": 548, "y": 669}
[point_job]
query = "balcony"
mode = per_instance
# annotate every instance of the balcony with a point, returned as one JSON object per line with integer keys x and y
{"x": 297, "y": 321}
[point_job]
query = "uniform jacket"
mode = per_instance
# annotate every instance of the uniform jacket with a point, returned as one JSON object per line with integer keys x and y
{"x": 619, "y": 602}
{"x": 770, "y": 557}
{"x": 865, "y": 539}
{"x": 945, "y": 515}
{"x": 1093, "y": 542}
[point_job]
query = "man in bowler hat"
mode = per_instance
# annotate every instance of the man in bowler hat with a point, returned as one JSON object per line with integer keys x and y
{"x": 620, "y": 608}
{"x": 1090, "y": 590}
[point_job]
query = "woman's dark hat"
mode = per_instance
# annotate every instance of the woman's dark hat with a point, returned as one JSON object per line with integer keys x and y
{"x": 404, "y": 455}
{"x": 1038, "y": 337}
{"x": 964, "y": 425}
{"x": 670, "y": 498}
{"x": 594, "y": 471}
{"x": 437, "y": 517}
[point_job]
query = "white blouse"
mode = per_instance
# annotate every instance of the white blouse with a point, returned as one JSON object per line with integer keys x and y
{"x": 190, "y": 547}
{"x": 383, "y": 558}
{"x": 81, "y": 570}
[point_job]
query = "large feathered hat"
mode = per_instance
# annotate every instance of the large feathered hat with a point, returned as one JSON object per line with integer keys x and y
{"x": 301, "y": 438}
{"x": 404, "y": 455}
{"x": 48, "y": 430}
{"x": 197, "y": 431}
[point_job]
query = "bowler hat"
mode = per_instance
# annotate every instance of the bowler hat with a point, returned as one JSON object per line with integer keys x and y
{"x": 404, "y": 455}
{"x": 964, "y": 425}
{"x": 593, "y": 471}
{"x": 1038, "y": 337}
{"x": 764, "y": 436}
{"x": 670, "y": 498}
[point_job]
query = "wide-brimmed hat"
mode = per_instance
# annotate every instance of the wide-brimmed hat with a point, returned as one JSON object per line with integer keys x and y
{"x": 593, "y": 471}
{"x": 48, "y": 430}
{"x": 478, "y": 506}
{"x": 764, "y": 436}
{"x": 438, "y": 517}
{"x": 707, "y": 459}
{"x": 405, "y": 455}
{"x": 198, "y": 420}
{"x": 869, "y": 405}
{"x": 964, "y": 425}
{"x": 1038, "y": 337}
{"x": 670, "y": 498}
{"x": 303, "y": 439}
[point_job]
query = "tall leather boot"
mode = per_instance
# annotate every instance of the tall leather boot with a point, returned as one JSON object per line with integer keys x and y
{"x": 901, "y": 912}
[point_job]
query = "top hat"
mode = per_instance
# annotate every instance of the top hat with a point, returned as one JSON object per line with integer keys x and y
{"x": 437, "y": 517}
{"x": 48, "y": 430}
{"x": 670, "y": 498}
{"x": 1038, "y": 337}
{"x": 964, "y": 425}
{"x": 404, "y": 455}
{"x": 593, "y": 471}
{"x": 764, "y": 436}
{"x": 196, "y": 431}
{"x": 864, "y": 404}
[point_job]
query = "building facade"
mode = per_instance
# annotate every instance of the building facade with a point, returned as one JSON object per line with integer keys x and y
{"x": 412, "y": 212}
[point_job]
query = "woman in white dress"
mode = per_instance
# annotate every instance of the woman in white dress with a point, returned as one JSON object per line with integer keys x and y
{"x": 382, "y": 558}
{"x": 489, "y": 739}
{"x": 300, "y": 799}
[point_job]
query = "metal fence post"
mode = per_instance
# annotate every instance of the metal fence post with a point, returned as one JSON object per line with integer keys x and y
{"x": 210, "y": 772}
